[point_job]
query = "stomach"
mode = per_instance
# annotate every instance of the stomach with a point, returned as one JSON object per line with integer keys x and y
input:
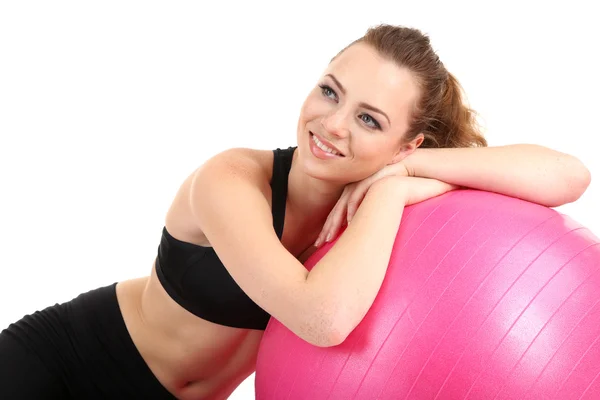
{"x": 191, "y": 357}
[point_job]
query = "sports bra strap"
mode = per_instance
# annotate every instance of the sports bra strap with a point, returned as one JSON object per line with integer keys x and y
{"x": 282, "y": 163}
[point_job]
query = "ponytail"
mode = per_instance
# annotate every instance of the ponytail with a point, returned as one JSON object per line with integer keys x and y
{"x": 455, "y": 124}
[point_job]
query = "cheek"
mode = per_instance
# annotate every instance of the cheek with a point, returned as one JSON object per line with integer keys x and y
{"x": 373, "y": 152}
{"x": 313, "y": 108}
{"x": 368, "y": 148}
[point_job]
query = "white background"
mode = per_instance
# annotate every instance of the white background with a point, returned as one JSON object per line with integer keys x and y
{"x": 106, "y": 107}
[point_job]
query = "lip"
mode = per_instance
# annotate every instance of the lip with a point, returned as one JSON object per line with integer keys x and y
{"x": 327, "y": 143}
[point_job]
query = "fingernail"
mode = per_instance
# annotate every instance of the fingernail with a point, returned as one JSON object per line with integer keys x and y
{"x": 328, "y": 238}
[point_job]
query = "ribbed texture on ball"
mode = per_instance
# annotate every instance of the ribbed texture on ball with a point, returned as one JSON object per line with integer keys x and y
{"x": 485, "y": 297}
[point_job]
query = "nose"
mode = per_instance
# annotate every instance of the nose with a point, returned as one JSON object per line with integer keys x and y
{"x": 336, "y": 123}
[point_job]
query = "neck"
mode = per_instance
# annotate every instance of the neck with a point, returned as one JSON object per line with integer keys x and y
{"x": 310, "y": 196}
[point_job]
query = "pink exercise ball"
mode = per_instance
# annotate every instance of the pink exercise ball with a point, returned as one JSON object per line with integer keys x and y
{"x": 485, "y": 297}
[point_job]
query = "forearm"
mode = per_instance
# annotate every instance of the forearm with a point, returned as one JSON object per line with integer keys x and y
{"x": 347, "y": 279}
{"x": 530, "y": 172}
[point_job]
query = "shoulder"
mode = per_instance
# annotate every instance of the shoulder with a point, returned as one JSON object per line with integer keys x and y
{"x": 233, "y": 189}
{"x": 231, "y": 180}
{"x": 238, "y": 163}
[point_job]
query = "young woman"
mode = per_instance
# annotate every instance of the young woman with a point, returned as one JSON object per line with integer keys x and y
{"x": 384, "y": 127}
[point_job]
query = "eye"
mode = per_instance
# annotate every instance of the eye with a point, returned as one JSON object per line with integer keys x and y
{"x": 327, "y": 91}
{"x": 370, "y": 121}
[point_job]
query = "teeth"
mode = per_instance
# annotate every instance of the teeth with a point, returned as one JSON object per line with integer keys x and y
{"x": 322, "y": 146}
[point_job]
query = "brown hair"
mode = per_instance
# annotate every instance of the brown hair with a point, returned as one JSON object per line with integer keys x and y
{"x": 440, "y": 113}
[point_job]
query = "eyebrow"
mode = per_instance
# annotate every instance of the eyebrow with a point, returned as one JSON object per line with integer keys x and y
{"x": 363, "y": 105}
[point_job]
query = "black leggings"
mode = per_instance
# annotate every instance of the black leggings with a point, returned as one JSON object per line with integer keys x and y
{"x": 80, "y": 349}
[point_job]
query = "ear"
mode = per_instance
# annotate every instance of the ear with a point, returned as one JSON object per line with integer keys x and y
{"x": 407, "y": 149}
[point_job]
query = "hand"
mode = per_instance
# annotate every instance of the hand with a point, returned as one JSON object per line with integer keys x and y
{"x": 416, "y": 189}
{"x": 421, "y": 189}
{"x": 351, "y": 198}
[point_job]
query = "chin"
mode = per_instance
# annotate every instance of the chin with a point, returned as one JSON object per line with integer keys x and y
{"x": 328, "y": 173}
{"x": 315, "y": 168}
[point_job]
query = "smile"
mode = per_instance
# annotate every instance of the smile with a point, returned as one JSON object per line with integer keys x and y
{"x": 324, "y": 147}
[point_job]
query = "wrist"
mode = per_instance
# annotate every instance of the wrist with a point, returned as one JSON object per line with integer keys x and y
{"x": 412, "y": 163}
{"x": 418, "y": 162}
{"x": 390, "y": 186}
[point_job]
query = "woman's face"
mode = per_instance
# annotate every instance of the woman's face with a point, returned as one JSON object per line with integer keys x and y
{"x": 352, "y": 123}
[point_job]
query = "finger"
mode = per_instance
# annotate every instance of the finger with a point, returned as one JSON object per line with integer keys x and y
{"x": 336, "y": 218}
{"x": 336, "y": 213}
{"x": 336, "y": 223}
{"x": 355, "y": 200}
{"x": 327, "y": 226}
{"x": 352, "y": 207}
{"x": 320, "y": 240}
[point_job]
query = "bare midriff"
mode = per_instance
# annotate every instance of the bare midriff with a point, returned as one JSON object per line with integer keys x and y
{"x": 191, "y": 357}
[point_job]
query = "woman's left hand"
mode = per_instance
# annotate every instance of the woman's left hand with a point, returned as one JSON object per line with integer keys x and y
{"x": 350, "y": 200}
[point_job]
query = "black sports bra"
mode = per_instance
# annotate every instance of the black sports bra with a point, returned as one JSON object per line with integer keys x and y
{"x": 196, "y": 278}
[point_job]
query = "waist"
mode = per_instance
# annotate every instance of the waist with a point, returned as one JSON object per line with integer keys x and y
{"x": 190, "y": 356}
{"x": 84, "y": 344}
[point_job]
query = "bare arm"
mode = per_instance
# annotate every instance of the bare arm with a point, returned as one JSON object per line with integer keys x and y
{"x": 322, "y": 306}
{"x": 530, "y": 172}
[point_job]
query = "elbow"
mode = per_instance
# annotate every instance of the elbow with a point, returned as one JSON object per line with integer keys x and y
{"x": 333, "y": 337}
{"x": 581, "y": 182}
{"x": 332, "y": 317}
{"x": 576, "y": 180}
{"x": 336, "y": 336}
{"x": 329, "y": 328}
{"x": 325, "y": 335}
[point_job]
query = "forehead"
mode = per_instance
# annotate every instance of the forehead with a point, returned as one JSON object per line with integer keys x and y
{"x": 370, "y": 78}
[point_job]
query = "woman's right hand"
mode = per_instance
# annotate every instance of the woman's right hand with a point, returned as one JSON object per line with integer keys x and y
{"x": 414, "y": 189}
{"x": 351, "y": 198}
